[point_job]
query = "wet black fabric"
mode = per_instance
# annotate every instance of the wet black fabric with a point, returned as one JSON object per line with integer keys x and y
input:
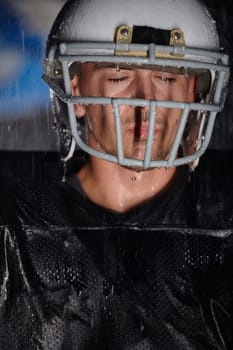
{"x": 74, "y": 275}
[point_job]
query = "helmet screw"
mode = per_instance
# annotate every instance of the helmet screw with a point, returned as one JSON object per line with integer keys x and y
{"x": 177, "y": 35}
{"x": 124, "y": 31}
{"x": 57, "y": 71}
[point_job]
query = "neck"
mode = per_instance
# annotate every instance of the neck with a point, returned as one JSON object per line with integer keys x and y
{"x": 120, "y": 189}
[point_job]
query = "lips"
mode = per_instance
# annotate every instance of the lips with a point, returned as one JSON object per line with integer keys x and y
{"x": 141, "y": 131}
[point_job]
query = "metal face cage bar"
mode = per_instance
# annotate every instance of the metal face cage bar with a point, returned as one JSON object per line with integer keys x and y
{"x": 105, "y": 52}
{"x": 90, "y": 52}
{"x": 147, "y": 162}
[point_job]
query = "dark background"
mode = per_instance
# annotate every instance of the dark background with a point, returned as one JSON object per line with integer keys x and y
{"x": 25, "y": 114}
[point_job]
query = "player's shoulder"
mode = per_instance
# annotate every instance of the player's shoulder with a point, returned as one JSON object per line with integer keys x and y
{"x": 215, "y": 172}
{"x": 32, "y": 187}
{"x": 24, "y": 180}
{"x": 212, "y": 189}
{"x": 30, "y": 165}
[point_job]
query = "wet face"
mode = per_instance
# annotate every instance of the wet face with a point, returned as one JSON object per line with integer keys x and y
{"x": 110, "y": 81}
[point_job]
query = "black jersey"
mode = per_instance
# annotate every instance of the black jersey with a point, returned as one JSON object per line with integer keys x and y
{"x": 74, "y": 275}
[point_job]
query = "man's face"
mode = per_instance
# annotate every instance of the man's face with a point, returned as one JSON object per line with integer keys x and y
{"x": 111, "y": 81}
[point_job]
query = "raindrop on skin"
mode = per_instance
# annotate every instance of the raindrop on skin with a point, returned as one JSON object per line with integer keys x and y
{"x": 134, "y": 177}
{"x": 186, "y": 74}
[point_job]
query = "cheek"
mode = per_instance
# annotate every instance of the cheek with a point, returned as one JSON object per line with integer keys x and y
{"x": 179, "y": 91}
{"x": 100, "y": 116}
{"x": 90, "y": 86}
{"x": 172, "y": 120}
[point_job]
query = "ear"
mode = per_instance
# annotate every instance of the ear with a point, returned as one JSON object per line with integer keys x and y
{"x": 80, "y": 110}
{"x": 191, "y": 89}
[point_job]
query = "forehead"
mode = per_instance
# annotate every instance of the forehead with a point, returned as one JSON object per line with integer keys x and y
{"x": 102, "y": 66}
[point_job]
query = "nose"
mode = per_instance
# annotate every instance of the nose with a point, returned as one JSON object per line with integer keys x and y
{"x": 145, "y": 88}
{"x": 146, "y": 91}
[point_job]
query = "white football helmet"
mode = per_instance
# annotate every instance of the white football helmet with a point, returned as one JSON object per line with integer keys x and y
{"x": 170, "y": 35}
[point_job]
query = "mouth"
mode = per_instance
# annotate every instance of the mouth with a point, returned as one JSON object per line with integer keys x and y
{"x": 140, "y": 132}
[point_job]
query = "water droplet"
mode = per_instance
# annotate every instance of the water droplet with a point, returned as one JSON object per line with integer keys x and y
{"x": 117, "y": 68}
{"x": 141, "y": 327}
{"x": 112, "y": 290}
{"x": 66, "y": 244}
{"x": 54, "y": 126}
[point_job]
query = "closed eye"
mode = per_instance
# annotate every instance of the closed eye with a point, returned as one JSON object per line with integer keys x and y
{"x": 117, "y": 80}
{"x": 167, "y": 79}
{"x": 164, "y": 77}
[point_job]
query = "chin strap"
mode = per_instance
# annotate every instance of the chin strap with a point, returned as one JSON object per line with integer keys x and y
{"x": 67, "y": 157}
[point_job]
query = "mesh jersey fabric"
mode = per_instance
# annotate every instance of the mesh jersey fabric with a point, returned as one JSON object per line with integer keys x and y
{"x": 74, "y": 275}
